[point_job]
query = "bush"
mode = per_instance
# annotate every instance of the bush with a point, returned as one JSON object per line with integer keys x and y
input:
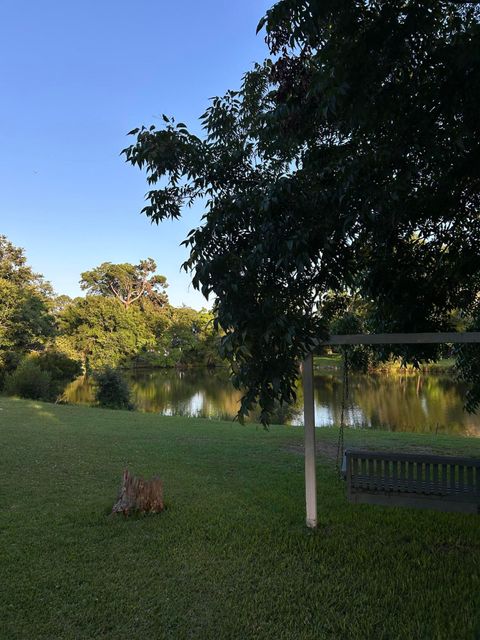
{"x": 61, "y": 367}
{"x": 112, "y": 389}
{"x": 9, "y": 361}
{"x": 29, "y": 381}
{"x": 41, "y": 376}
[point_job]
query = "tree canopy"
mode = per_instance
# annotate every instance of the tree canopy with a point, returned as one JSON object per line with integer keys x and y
{"x": 348, "y": 161}
{"x": 101, "y": 332}
{"x": 127, "y": 283}
{"x": 25, "y": 299}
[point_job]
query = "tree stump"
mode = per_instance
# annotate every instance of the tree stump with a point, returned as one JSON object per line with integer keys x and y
{"x": 139, "y": 495}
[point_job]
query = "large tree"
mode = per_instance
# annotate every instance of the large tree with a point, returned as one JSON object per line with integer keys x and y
{"x": 25, "y": 300}
{"x": 98, "y": 331}
{"x": 350, "y": 161}
{"x": 127, "y": 283}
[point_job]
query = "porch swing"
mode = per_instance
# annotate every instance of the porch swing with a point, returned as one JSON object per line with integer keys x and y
{"x": 389, "y": 478}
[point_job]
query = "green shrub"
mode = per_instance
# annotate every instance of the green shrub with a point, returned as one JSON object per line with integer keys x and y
{"x": 60, "y": 366}
{"x": 9, "y": 361}
{"x": 112, "y": 389}
{"x": 41, "y": 376}
{"x": 29, "y": 381}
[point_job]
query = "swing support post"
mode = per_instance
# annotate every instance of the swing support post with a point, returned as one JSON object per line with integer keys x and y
{"x": 309, "y": 430}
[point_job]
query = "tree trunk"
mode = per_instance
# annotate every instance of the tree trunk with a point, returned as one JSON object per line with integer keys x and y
{"x": 137, "y": 494}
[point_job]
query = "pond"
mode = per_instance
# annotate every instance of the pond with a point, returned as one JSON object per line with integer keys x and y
{"x": 420, "y": 402}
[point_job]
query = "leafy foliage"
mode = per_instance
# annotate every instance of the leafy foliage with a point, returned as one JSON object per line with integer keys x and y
{"x": 29, "y": 381}
{"x": 350, "y": 161}
{"x": 355, "y": 357}
{"x": 25, "y": 319}
{"x": 42, "y": 375}
{"x": 102, "y": 332}
{"x": 60, "y": 366}
{"x": 467, "y": 365}
{"x": 126, "y": 282}
{"x": 112, "y": 389}
{"x": 185, "y": 337}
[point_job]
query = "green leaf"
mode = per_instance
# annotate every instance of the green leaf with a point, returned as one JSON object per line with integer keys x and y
{"x": 261, "y": 24}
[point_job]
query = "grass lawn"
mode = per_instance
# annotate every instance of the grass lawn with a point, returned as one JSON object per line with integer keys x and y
{"x": 335, "y": 361}
{"x": 230, "y": 558}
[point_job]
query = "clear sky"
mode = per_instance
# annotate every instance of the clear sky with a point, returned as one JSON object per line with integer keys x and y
{"x": 75, "y": 77}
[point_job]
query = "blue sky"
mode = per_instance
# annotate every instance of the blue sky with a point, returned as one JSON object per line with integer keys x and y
{"x": 75, "y": 77}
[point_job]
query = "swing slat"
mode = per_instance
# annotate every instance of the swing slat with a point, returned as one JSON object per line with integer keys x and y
{"x": 412, "y": 480}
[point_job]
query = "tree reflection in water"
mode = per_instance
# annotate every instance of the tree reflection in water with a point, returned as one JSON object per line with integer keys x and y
{"x": 395, "y": 401}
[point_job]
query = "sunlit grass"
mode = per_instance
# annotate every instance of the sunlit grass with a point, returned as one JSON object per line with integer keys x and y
{"x": 230, "y": 558}
{"x": 335, "y": 361}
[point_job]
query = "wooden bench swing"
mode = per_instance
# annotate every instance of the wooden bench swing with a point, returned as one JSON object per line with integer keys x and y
{"x": 424, "y": 481}
{"x": 443, "y": 483}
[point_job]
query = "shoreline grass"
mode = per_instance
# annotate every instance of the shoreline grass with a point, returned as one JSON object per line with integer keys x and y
{"x": 230, "y": 557}
{"x": 335, "y": 361}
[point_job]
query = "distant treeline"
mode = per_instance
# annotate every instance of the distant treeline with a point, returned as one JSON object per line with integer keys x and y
{"x": 124, "y": 320}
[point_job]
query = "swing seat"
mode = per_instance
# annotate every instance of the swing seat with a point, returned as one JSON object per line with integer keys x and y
{"x": 422, "y": 481}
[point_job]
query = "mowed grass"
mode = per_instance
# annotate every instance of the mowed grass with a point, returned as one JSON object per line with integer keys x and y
{"x": 230, "y": 557}
{"x": 335, "y": 361}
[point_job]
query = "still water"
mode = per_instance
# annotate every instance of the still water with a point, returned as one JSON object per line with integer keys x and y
{"x": 421, "y": 402}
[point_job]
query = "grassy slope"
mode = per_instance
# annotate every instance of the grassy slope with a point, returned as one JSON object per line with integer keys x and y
{"x": 335, "y": 361}
{"x": 230, "y": 558}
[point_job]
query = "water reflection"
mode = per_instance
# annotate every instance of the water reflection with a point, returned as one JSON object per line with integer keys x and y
{"x": 397, "y": 402}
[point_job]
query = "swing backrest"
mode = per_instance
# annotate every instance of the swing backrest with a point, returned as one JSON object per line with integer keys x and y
{"x": 444, "y": 483}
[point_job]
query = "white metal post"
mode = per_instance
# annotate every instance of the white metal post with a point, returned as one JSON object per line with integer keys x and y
{"x": 309, "y": 427}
